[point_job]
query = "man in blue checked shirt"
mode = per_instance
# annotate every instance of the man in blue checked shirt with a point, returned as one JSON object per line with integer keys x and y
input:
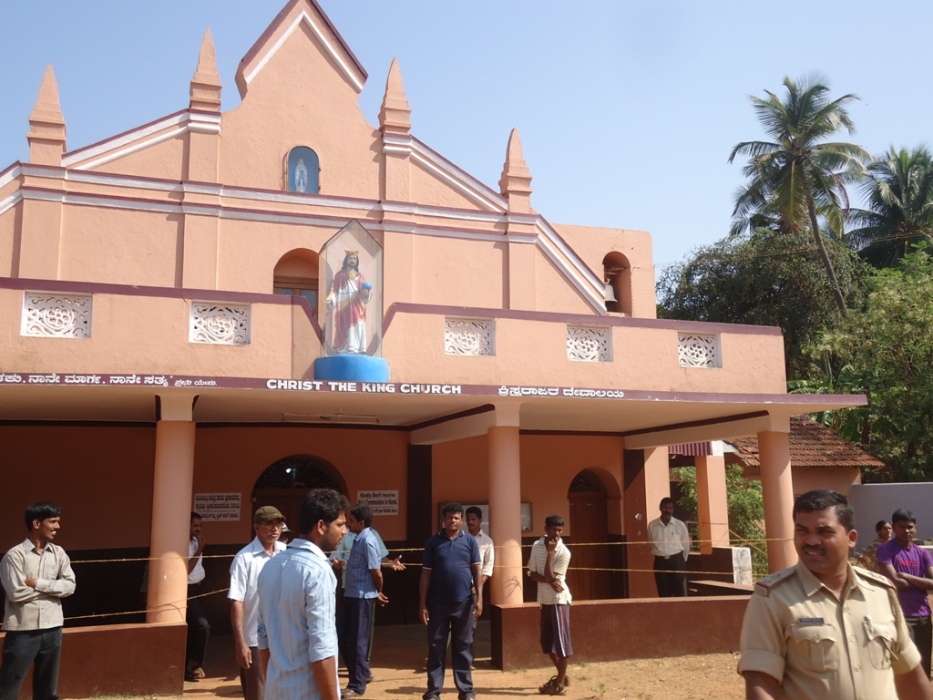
{"x": 362, "y": 591}
{"x": 297, "y": 635}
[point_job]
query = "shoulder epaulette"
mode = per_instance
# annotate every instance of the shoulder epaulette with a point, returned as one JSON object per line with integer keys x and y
{"x": 764, "y": 586}
{"x": 880, "y": 579}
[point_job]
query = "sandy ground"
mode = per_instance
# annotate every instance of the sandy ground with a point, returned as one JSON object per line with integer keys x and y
{"x": 398, "y": 669}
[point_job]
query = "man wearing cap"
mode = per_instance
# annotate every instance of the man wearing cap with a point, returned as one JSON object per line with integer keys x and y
{"x": 244, "y": 599}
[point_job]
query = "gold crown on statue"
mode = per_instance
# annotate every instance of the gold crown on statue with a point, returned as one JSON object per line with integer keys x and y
{"x": 351, "y": 252}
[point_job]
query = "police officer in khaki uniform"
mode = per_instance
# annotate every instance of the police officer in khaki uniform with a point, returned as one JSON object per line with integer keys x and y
{"x": 823, "y": 629}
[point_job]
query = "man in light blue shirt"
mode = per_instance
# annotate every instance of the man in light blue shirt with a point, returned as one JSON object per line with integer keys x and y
{"x": 362, "y": 591}
{"x": 297, "y": 636}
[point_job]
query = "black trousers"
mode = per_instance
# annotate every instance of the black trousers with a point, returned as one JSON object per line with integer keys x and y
{"x": 921, "y": 631}
{"x": 199, "y": 629}
{"x": 670, "y": 576}
{"x": 353, "y": 635}
{"x": 20, "y": 651}
{"x": 454, "y": 621}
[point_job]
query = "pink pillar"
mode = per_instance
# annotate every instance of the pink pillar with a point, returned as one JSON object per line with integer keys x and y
{"x": 647, "y": 481}
{"x": 171, "y": 515}
{"x": 505, "y": 522}
{"x": 778, "y": 490}
{"x": 711, "y": 502}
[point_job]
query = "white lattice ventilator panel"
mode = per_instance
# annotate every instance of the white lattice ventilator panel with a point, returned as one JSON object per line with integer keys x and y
{"x": 469, "y": 336}
{"x": 56, "y": 315}
{"x": 218, "y": 324}
{"x": 585, "y": 344}
{"x": 699, "y": 350}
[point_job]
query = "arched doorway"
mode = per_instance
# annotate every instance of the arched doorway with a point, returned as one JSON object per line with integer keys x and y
{"x": 589, "y": 576}
{"x": 285, "y": 483}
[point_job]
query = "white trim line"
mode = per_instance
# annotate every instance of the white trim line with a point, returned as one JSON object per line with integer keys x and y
{"x": 14, "y": 173}
{"x": 593, "y": 296}
{"x": 456, "y": 182}
{"x": 267, "y": 55}
{"x": 10, "y": 202}
{"x": 104, "y": 146}
{"x": 133, "y": 149}
{"x": 554, "y": 238}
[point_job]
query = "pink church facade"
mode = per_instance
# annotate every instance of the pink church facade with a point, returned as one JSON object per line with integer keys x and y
{"x": 164, "y": 300}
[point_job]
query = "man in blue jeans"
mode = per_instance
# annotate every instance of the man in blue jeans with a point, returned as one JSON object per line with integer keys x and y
{"x": 36, "y": 575}
{"x": 452, "y": 570}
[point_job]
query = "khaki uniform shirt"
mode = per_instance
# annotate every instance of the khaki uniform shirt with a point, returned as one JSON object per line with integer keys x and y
{"x": 818, "y": 647}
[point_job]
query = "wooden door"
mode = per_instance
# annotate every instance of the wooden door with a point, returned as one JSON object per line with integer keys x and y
{"x": 589, "y": 577}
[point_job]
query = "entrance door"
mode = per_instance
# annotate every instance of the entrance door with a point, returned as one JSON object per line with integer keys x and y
{"x": 589, "y": 575}
{"x": 285, "y": 484}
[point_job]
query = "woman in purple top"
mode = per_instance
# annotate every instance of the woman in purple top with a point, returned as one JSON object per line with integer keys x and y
{"x": 910, "y": 567}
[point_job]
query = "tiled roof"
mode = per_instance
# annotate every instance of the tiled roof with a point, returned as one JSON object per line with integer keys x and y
{"x": 811, "y": 445}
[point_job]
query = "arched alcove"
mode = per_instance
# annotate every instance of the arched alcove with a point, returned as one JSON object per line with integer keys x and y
{"x": 285, "y": 484}
{"x": 617, "y": 274}
{"x": 296, "y": 274}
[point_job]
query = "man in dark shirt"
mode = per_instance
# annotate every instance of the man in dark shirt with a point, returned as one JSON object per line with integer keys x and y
{"x": 452, "y": 571}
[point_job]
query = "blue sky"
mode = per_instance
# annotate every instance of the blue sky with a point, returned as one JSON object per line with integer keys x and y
{"x": 627, "y": 109}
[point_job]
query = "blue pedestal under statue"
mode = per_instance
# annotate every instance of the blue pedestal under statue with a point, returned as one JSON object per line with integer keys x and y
{"x": 351, "y": 368}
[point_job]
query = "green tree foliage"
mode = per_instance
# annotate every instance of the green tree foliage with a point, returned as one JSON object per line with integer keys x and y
{"x": 763, "y": 279}
{"x": 899, "y": 191}
{"x": 746, "y": 508}
{"x": 886, "y": 352}
{"x": 798, "y": 178}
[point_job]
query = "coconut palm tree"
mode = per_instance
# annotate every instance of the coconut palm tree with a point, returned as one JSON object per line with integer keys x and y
{"x": 899, "y": 191}
{"x": 798, "y": 179}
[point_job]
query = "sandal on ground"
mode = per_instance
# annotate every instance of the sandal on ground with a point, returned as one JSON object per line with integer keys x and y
{"x": 553, "y": 679}
{"x": 552, "y": 687}
{"x": 195, "y": 674}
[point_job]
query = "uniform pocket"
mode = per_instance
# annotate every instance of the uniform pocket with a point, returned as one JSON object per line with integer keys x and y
{"x": 814, "y": 647}
{"x": 881, "y": 640}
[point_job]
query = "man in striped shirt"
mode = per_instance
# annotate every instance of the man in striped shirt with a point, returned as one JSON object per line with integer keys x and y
{"x": 547, "y": 566}
{"x": 297, "y": 636}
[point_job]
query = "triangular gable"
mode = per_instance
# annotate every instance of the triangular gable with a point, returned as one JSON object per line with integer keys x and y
{"x": 295, "y": 14}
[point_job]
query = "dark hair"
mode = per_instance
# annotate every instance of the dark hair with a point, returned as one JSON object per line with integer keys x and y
{"x": 473, "y": 510}
{"x": 665, "y": 501}
{"x": 451, "y": 508}
{"x": 363, "y": 513}
{"x": 321, "y": 504}
{"x": 821, "y": 499}
{"x": 903, "y": 515}
{"x": 41, "y": 511}
{"x": 880, "y": 524}
{"x": 553, "y": 521}
{"x": 195, "y": 515}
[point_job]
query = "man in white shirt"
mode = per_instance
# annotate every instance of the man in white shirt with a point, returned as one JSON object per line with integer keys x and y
{"x": 547, "y": 566}
{"x": 199, "y": 629}
{"x": 36, "y": 575}
{"x": 487, "y": 550}
{"x": 670, "y": 545}
{"x": 268, "y": 522}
